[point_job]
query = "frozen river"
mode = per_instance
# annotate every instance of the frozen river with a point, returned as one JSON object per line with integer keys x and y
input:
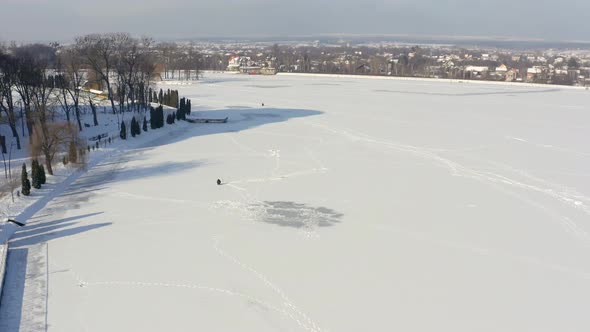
{"x": 348, "y": 204}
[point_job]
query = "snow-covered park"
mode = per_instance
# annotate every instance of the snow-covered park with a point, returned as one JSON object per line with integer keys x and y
{"x": 346, "y": 204}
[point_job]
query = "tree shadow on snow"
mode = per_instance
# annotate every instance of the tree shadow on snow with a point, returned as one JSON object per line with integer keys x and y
{"x": 49, "y": 230}
{"x": 36, "y": 228}
{"x": 238, "y": 120}
{"x": 92, "y": 183}
{"x": 11, "y": 301}
{"x": 26, "y": 245}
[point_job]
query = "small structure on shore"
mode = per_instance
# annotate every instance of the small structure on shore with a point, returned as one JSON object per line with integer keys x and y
{"x": 207, "y": 120}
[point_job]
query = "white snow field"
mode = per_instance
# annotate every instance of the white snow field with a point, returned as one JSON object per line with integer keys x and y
{"x": 348, "y": 204}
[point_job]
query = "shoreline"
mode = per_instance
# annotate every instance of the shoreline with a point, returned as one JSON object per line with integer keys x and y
{"x": 441, "y": 80}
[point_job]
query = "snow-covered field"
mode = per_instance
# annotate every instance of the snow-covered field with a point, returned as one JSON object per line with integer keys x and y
{"x": 348, "y": 205}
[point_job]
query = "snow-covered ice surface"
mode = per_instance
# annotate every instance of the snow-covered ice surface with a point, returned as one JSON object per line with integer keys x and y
{"x": 348, "y": 204}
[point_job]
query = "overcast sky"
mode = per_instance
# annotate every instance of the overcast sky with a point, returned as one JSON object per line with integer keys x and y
{"x": 47, "y": 20}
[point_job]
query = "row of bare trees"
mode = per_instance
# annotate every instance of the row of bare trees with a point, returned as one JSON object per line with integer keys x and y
{"x": 123, "y": 66}
{"x": 38, "y": 83}
{"x": 27, "y": 75}
{"x": 179, "y": 61}
{"x": 46, "y": 89}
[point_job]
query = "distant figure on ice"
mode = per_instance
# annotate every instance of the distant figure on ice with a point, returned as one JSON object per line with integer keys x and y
{"x": 262, "y": 104}
{"x": 218, "y": 182}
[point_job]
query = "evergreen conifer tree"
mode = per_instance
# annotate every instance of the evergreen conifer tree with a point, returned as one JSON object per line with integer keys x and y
{"x": 35, "y": 174}
{"x": 152, "y": 118}
{"x": 160, "y": 116}
{"x": 42, "y": 178}
{"x": 137, "y": 128}
{"x": 180, "y": 114}
{"x": 123, "y": 133}
{"x": 25, "y": 183}
{"x": 133, "y": 127}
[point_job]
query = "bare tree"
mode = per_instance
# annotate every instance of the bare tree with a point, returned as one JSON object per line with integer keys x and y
{"x": 98, "y": 51}
{"x": 62, "y": 85}
{"x": 93, "y": 108}
{"x": 32, "y": 63}
{"x": 49, "y": 139}
{"x": 8, "y": 77}
{"x": 11, "y": 181}
{"x": 26, "y": 74}
{"x": 73, "y": 76}
{"x": 147, "y": 68}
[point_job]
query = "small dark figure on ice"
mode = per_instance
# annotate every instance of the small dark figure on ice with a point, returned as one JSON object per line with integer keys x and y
{"x": 218, "y": 182}
{"x": 263, "y": 104}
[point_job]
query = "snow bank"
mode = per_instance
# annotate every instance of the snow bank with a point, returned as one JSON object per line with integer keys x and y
{"x": 3, "y": 253}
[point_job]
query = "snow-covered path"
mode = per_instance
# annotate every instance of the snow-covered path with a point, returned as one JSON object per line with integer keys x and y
{"x": 348, "y": 205}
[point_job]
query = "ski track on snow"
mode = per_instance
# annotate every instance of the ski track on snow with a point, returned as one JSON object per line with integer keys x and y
{"x": 486, "y": 251}
{"x": 224, "y": 291}
{"x": 309, "y": 326}
{"x": 549, "y": 146}
{"x": 572, "y": 199}
{"x": 253, "y": 207}
{"x": 288, "y": 309}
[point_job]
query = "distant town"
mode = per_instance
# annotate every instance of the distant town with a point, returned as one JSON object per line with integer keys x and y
{"x": 564, "y": 64}
{"x": 549, "y": 66}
